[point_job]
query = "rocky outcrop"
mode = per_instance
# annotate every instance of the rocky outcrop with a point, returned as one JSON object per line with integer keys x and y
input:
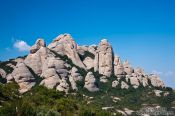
{"x": 54, "y": 71}
{"x": 39, "y": 43}
{"x": 128, "y": 68}
{"x": 139, "y": 71}
{"x": 63, "y": 86}
{"x": 58, "y": 65}
{"x": 73, "y": 83}
{"x": 141, "y": 76}
{"x": 90, "y": 82}
{"x": 115, "y": 83}
{"x": 118, "y": 67}
{"x": 9, "y": 78}
{"x": 103, "y": 79}
{"x": 65, "y": 45}
{"x": 89, "y": 62}
{"x": 82, "y": 49}
{"x": 2, "y": 73}
{"x": 74, "y": 77}
{"x": 23, "y": 77}
{"x": 51, "y": 82}
{"x": 134, "y": 82}
{"x": 75, "y": 74}
{"x": 155, "y": 81}
{"x": 63, "y": 64}
{"x": 92, "y": 49}
{"x": 124, "y": 85}
{"x": 34, "y": 61}
{"x": 104, "y": 58}
{"x": 158, "y": 93}
{"x": 38, "y": 55}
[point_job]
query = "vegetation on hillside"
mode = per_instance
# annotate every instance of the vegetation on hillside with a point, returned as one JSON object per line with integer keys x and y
{"x": 41, "y": 101}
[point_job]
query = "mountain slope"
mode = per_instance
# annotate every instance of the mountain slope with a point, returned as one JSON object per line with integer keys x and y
{"x": 93, "y": 72}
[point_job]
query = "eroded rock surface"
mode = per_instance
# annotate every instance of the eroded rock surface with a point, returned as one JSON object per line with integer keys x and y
{"x": 90, "y": 82}
{"x": 63, "y": 65}
{"x": 23, "y": 77}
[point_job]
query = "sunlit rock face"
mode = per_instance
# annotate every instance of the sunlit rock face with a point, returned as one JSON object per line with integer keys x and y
{"x": 90, "y": 82}
{"x": 104, "y": 58}
{"x": 155, "y": 81}
{"x": 128, "y": 68}
{"x": 65, "y": 66}
{"x": 65, "y": 45}
{"x": 118, "y": 67}
{"x": 23, "y": 77}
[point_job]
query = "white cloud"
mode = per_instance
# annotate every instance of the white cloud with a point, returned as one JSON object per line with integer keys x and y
{"x": 21, "y": 45}
{"x": 156, "y": 72}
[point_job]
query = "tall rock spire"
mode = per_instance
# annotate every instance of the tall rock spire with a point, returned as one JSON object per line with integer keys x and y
{"x": 103, "y": 58}
{"x": 118, "y": 67}
{"x": 128, "y": 68}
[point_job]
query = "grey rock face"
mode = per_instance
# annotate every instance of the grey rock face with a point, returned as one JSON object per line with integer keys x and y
{"x": 63, "y": 86}
{"x": 51, "y": 82}
{"x": 73, "y": 83}
{"x": 118, "y": 67}
{"x": 39, "y": 43}
{"x": 115, "y": 83}
{"x": 155, "y": 81}
{"x": 9, "y": 78}
{"x": 82, "y": 49}
{"x": 34, "y": 61}
{"x": 134, "y": 82}
{"x": 53, "y": 71}
{"x": 89, "y": 62}
{"x": 92, "y": 49}
{"x": 37, "y": 59}
{"x": 23, "y": 77}
{"x": 104, "y": 58}
{"x": 103, "y": 79}
{"x": 74, "y": 73}
{"x": 139, "y": 71}
{"x": 56, "y": 70}
{"x": 124, "y": 85}
{"x": 127, "y": 68}
{"x": 2, "y": 73}
{"x": 65, "y": 45}
{"x": 90, "y": 82}
{"x": 158, "y": 93}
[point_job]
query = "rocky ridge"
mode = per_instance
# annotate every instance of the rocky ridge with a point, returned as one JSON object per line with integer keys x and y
{"x": 67, "y": 67}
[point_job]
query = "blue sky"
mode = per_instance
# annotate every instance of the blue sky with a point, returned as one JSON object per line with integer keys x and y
{"x": 142, "y": 31}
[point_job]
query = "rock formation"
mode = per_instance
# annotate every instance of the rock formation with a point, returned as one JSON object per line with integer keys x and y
{"x": 64, "y": 65}
{"x": 134, "y": 82}
{"x": 155, "y": 81}
{"x": 127, "y": 68}
{"x": 2, "y": 73}
{"x": 90, "y": 82}
{"x": 118, "y": 67}
{"x": 37, "y": 56}
{"x": 65, "y": 45}
{"x": 115, "y": 83}
{"x": 124, "y": 85}
{"x": 23, "y": 77}
{"x": 39, "y": 43}
{"x": 104, "y": 58}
